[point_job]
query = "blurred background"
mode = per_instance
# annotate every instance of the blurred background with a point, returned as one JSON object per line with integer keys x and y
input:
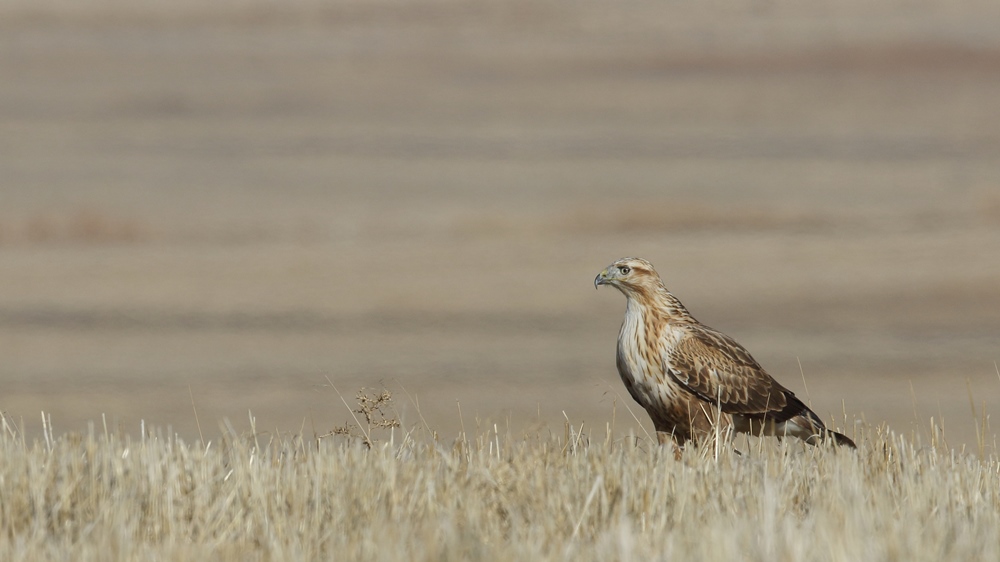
{"x": 236, "y": 206}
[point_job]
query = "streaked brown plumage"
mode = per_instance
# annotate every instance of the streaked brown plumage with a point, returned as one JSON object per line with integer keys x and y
{"x": 687, "y": 376}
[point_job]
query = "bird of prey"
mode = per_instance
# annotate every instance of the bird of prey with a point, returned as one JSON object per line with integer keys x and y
{"x": 688, "y": 377}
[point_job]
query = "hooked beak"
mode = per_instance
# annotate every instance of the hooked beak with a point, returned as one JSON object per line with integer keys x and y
{"x": 601, "y": 279}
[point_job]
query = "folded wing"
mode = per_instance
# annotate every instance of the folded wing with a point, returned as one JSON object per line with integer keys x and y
{"x": 720, "y": 371}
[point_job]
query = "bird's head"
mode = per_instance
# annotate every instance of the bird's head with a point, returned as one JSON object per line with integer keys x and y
{"x": 631, "y": 276}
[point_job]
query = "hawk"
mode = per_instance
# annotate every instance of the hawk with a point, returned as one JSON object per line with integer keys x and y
{"x": 688, "y": 377}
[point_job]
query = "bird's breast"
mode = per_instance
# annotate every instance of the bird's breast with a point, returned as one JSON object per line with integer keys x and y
{"x": 641, "y": 349}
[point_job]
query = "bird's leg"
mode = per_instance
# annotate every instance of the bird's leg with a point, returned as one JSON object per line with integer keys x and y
{"x": 665, "y": 439}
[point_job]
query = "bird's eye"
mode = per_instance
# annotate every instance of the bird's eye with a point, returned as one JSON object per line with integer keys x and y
{"x": 625, "y": 269}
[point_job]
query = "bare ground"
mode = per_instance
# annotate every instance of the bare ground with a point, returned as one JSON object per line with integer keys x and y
{"x": 228, "y": 209}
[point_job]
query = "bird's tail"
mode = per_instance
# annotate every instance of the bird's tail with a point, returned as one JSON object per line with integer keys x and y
{"x": 810, "y": 428}
{"x": 840, "y": 439}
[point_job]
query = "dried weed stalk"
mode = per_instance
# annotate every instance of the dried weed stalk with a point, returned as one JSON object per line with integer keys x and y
{"x": 378, "y": 412}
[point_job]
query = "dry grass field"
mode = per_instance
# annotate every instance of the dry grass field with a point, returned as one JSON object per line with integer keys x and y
{"x": 490, "y": 495}
{"x": 215, "y": 208}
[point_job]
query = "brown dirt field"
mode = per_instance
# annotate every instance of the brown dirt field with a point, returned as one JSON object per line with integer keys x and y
{"x": 234, "y": 204}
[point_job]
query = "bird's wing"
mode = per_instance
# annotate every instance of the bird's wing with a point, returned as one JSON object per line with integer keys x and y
{"x": 720, "y": 371}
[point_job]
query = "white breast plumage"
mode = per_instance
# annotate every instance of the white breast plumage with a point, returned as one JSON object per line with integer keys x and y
{"x": 632, "y": 364}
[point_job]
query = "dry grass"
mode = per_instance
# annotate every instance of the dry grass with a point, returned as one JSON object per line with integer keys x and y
{"x": 562, "y": 496}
